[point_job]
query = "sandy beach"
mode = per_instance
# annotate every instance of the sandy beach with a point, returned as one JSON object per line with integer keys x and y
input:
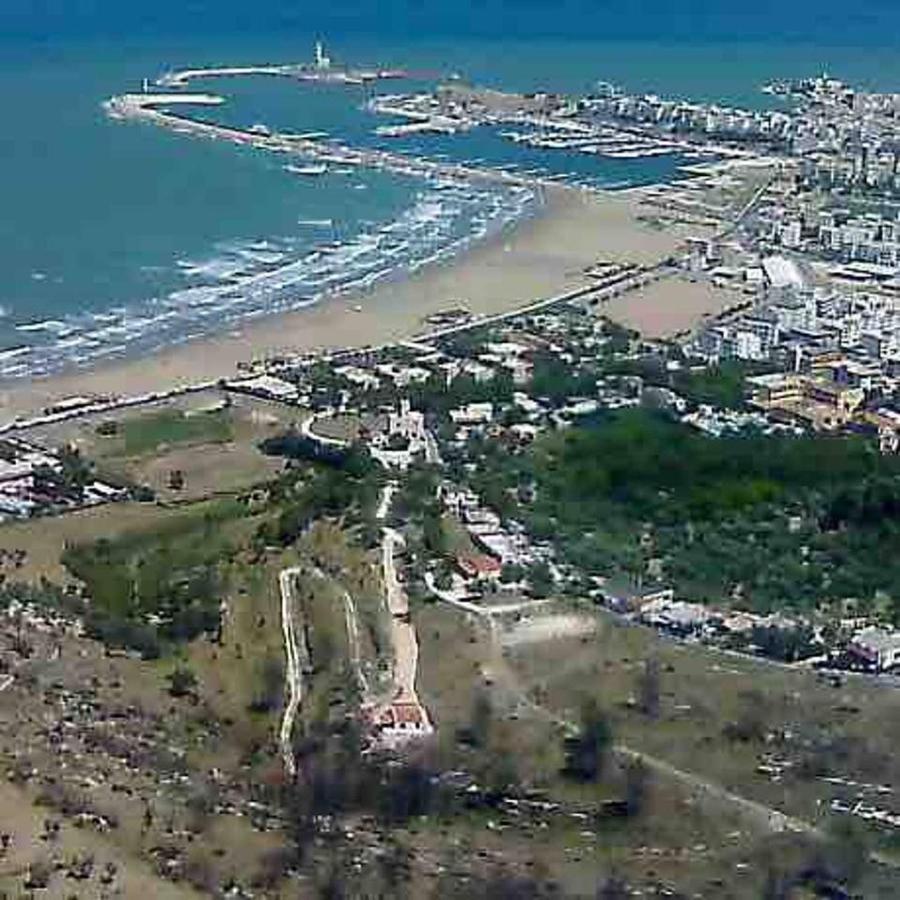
{"x": 539, "y": 258}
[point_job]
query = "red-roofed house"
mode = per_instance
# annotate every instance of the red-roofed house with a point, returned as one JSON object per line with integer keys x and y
{"x": 478, "y": 565}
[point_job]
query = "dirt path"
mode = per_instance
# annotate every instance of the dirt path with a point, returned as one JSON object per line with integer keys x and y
{"x": 293, "y": 673}
{"x": 487, "y": 611}
{"x": 403, "y": 633}
{"x": 384, "y": 503}
{"x": 766, "y": 816}
{"x": 352, "y": 621}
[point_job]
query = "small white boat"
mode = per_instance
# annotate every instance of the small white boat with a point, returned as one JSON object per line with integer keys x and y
{"x": 308, "y": 171}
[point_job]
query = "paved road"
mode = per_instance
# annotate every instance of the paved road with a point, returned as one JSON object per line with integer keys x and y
{"x": 306, "y": 429}
{"x": 384, "y": 502}
{"x": 487, "y": 611}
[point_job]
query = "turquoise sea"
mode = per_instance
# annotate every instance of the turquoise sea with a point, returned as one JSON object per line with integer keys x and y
{"x": 120, "y": 238}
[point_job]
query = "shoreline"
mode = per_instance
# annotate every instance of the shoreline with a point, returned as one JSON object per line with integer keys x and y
{"x": 543, "y": 255}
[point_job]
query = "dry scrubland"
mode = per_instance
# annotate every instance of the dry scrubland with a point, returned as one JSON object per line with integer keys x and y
{"x": 696, "y": 835}
{"x": 537, "y": 668}
{"x": 852, "y": 727}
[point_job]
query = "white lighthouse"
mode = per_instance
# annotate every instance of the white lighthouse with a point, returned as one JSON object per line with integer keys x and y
{"x": 323, "y": 61}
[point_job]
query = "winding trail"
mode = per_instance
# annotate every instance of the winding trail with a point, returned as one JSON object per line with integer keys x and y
{"x": 352, "y": 622}
{"x": 294, "y": 673}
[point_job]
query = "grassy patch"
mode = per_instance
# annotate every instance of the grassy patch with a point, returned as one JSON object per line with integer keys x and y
{"x": 237, "y": 676}
{"x": 813, "y": 729}
{"x": 162, "y": 586}
{"x": 171, "y": 426}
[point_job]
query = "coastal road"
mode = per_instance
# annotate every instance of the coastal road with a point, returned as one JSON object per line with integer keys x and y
{"x": 293, "y": 673}
{"x": 600, "y": 289}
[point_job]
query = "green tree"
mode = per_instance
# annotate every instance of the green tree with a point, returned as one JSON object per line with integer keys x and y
{"x": 649, "y": 688}
{"x": 511, "y": 573}
{"x": 269, "y": 691}
{"x": 182, "y": 681}
{"x": 540, "y": 580}
{"x": 844, "y": 853}
{"x": 586, "y": 751}
{"x": 443, "y": 578}
{"x": 637, "y": 782}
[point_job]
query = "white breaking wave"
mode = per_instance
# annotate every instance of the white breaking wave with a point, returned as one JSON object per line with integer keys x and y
{"x": 249, "y": 279}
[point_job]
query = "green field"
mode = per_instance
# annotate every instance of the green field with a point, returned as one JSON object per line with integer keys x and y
{"x": 171, "y": 426}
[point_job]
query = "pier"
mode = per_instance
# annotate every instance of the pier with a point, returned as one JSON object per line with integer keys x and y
{"x": 132, "y": 104}
{"x": 181, "y": 77}
{"x": 150, "y": 108}
{"x": 299, "y": 71}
